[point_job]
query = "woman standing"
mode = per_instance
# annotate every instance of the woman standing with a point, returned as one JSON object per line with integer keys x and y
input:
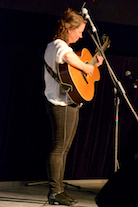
{"x": 64, "y": 115}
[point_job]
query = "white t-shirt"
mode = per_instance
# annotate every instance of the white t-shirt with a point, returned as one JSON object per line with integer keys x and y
{"x": 53, "y": 55}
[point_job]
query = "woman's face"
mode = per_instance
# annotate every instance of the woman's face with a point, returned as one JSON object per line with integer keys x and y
{"x": 75, "y": 34}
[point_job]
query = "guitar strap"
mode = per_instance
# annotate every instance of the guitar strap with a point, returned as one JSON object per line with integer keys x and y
{"x": 52, "y": 73}
{"x": 55, "y": 76}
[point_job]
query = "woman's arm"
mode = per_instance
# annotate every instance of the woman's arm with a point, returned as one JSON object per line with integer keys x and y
{"x": 72, "y": 59}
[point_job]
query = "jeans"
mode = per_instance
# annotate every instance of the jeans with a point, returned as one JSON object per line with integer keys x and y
{"x": 64, "y": 122}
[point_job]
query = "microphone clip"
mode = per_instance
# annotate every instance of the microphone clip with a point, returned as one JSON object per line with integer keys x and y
{"x": 85, "y": 14}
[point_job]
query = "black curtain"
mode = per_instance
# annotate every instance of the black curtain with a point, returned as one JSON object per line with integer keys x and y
{"x": 25, "y": 133}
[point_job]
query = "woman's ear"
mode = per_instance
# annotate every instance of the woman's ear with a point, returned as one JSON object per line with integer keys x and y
{"x": 69, "y": 30}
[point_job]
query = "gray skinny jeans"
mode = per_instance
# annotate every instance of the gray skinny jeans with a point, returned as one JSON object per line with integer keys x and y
{"x": 64, "y": 122}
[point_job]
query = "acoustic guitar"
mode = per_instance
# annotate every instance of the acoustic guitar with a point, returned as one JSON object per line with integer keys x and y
{"x": 80, "y": 86}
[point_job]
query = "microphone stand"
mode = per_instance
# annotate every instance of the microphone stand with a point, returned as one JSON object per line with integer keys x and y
{"x": 116, "y": 105}
{"x": 119, "y": 88}
{"x": 116, "y": 82}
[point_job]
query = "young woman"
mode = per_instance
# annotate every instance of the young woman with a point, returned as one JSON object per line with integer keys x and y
{"x": 64, "y": 115}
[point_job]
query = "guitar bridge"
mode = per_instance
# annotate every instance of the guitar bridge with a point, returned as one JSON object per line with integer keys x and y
{"x": 84, "y": 76}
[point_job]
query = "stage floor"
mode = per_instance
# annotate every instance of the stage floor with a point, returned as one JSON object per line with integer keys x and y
{"x": 18, "y": 194}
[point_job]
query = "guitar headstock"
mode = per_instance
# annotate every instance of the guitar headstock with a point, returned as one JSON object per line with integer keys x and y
{"x": 106, "y": 43}
{"x": 106, "y": 40}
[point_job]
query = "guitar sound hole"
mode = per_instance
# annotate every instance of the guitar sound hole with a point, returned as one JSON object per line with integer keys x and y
{"x": 87, "y": 62}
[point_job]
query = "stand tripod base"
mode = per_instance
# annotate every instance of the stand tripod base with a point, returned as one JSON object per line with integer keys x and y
{"x": 46, "y": 182}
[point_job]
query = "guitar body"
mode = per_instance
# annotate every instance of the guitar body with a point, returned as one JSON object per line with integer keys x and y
{"x": 82, "y": 86}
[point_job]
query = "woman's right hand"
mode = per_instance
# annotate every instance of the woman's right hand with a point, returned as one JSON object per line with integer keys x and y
{"x": 88, "y": 69}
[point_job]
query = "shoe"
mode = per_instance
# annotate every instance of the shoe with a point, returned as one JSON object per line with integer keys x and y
{"x": 60, "y": 198}
{"x": 71, "y": 199}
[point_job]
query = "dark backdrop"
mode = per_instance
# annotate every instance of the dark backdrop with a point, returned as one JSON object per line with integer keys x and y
{"x": 25, "y": 136}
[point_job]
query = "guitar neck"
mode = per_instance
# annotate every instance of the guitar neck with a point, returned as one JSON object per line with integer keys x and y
{"x": 94, "y": 59}
{"x": 103, "y": 48}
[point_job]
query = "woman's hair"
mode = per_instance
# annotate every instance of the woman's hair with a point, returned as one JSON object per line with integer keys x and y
{"x": 70, "y": 19}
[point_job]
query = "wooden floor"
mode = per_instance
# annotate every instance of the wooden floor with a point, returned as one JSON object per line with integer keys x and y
{"x": 18, "y": 194}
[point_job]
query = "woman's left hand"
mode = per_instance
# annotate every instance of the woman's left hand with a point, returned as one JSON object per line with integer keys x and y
{"x": 100, "y": 60}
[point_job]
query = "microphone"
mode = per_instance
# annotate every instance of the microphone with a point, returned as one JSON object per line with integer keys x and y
{"x": 86, "y": 16}
{"x": 132, "y": 80}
